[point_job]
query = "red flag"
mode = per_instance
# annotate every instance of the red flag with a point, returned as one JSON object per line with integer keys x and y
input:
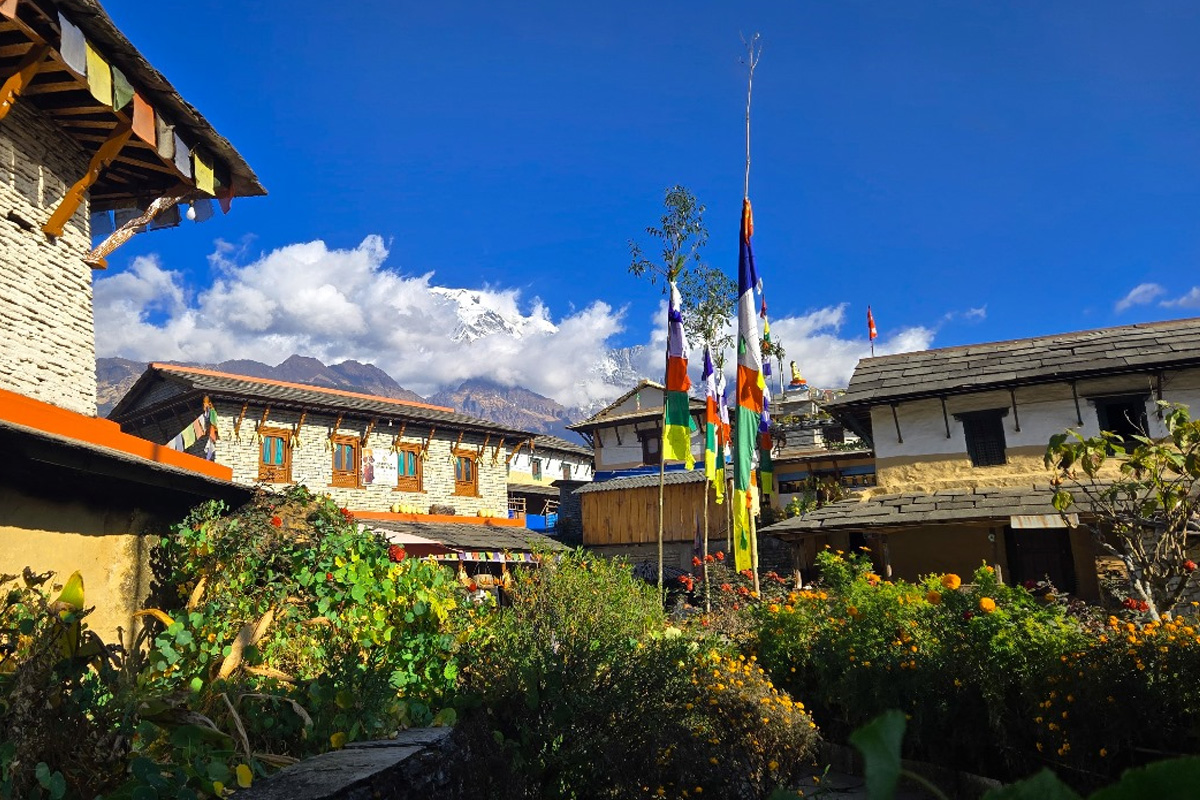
{"x": 872, "y": 334}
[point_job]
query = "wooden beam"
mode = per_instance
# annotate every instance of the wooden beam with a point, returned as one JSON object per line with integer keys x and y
{"x": 19, "y": 81}
{"x": 367, "y": 433}
{"x": 428, "y": 440}
{"x": 334, "y": 431}
{"x": 262, "y": 422}
{"x": 237, "y": 423}
{"x": 496, "y": 451}
{"x": 74, "y": 197}
{"x": 96, "y": 258}
{"x": 54, "y": 87}
{"x": 398, "y": 437}
{"x": 13, "y": 50}
{"x": 299, "y": 426}
{"x": 483, "y": 446}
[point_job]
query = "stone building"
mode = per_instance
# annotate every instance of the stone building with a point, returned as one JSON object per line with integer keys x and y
{"x": 536, "y": 469}
{"x": 960, "y": 434}
{"x": 371, "y": 454}
{"x": 91, "y": 135}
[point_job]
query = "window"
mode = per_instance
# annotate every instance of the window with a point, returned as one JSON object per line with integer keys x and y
{"x": 566, "y": 471}
{"x": 408, "y": 468}
{"x": 651, "y": 446}
{"x": 535, "y": 467}
{"x": 1125, "y": 416}
{"x": 275, "y": 456}
{"x": 984, "y": 431}
{"x": 345, "y": 461}
{"x": 466, "y": 477}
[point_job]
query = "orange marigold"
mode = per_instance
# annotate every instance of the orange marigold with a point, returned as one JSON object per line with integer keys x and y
{"x": 951, "y": 581}
{"x": 934, "y": 597}
{"x": 987, "y": 605}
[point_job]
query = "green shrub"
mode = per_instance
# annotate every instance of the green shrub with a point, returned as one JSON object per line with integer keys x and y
{"x": 581, "y": 689}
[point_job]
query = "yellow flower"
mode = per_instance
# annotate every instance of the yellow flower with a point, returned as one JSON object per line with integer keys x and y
{"x": 951, "y": 581}
{"x": 244, "y": 776}
{"x": 773, "y": 765}
{"x": 934, "y": 597}
{"x": 987, "y": 605}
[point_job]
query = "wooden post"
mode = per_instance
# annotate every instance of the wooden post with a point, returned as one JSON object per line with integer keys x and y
{"x": 662, "y": 478}
{"x": 19, "y": 80}
{"x": 704, "y": 554}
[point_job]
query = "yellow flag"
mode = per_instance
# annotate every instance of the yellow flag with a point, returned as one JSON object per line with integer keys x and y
{"x": 99, "y": 76}
{"x": 204, "y": 174}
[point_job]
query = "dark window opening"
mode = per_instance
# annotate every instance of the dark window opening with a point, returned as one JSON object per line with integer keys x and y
{"x": 984, "y": 432}
{"x": 1124, "y": 416}
{"x": 651, "y": 446}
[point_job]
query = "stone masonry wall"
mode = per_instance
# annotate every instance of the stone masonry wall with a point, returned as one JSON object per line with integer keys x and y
{"x": 312, "y": 461}
{"x": 47, "y": 334}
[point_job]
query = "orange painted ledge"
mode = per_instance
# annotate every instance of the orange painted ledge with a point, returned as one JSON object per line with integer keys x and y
{"x": 388, "y": 516}
{"x": 21, "y": 410}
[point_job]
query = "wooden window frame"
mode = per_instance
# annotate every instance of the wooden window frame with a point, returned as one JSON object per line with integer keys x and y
{"x": 467, "y": 488}
{"x": 271, "y": 473}
{"x": 535, "y": 468}
{"x": 981, "y": 442}
{"x": 567, "y": 470}
{"x": 409, "y": 483}
{"x": 345, "y": 478}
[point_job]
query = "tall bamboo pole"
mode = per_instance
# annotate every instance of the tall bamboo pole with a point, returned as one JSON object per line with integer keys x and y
{"x": 662, "y": 477}
{"x": 753, "y": 52}
{"x": 704, "y": 554}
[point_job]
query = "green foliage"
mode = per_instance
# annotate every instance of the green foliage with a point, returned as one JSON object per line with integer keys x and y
{"x": 1141, "y": 492}
{"x": 951, "y": 656}
{"x": 581, "y": 689}
{"x": 879, "y": 742}
{"x": 682, "y": 233}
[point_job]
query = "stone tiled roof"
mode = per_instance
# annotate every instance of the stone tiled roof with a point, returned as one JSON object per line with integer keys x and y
{"x": 533, "y": 488}
{"x": 917, "y": 508}
{"x": 242, "y": 388}
{"x": 1042, "y": 359}
{"x": 544, "y": 441}
{"x": 470, "y": 536}
{"x": 671, "y": 478}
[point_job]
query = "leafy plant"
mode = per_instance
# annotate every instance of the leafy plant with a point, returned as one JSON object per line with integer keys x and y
{"x": 1142, "y": 492}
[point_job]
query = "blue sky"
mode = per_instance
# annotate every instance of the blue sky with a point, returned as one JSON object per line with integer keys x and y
{"x": 975, "y": 172}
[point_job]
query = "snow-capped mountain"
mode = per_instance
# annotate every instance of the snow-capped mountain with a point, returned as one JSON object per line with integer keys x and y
{"x": 475, "y": 319}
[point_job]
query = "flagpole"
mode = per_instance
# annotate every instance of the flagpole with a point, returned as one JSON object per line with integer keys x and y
{"x": 662, "y": 478}
{"x": 704, "y": 555}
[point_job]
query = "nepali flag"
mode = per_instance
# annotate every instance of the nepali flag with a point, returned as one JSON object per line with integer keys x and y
{"x": 749, "y": 400}
{"x": 677, "y": 416}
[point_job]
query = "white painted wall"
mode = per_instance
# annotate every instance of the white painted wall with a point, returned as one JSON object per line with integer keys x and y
{"x": 520, "y": 469}
{"x": 1043, "y": 411}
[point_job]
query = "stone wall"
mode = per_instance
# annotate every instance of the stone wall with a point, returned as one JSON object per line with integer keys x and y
{"x": 47, "y": 335}
{"x": 312, "y": 461}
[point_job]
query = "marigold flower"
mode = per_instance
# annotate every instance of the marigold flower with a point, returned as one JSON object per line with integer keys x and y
{"x": 987, "y": 605}
{"x": 1189, "y": 565}
{"x": 934, "y": 597}
{"x": 951, "y": 581}
{"x": 696, "y": 561}
{"x": 277, "y": 522}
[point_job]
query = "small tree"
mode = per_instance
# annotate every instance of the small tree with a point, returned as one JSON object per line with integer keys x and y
{"x": 1148, "y": 500}
{"x": 709, "y": 300}
{"x": 682, "y": 234}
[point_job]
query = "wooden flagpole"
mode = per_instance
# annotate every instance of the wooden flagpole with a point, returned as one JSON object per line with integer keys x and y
{"x": 753, "y": 53}
{"x": 662, "y": 467}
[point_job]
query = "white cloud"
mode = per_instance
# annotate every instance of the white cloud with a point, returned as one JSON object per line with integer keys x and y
{"x": 335, "y": 305}
{"x": 1190, "y": 299}
{"x": 1140, "y": 295}
{"x": 976, "y": 314}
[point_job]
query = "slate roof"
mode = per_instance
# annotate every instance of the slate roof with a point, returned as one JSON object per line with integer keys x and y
{"x": 644, "y": 481}
{"x": 544, "y": 441}
{"x": 533, "y": 488}
{"x": 920, "y": 508}
{"x": 1042, "y": 359}
{"x": 243, "y": 387}
{"x": 472, "y": 536}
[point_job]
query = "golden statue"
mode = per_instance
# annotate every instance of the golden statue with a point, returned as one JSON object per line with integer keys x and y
{"x": 797, "y": 378}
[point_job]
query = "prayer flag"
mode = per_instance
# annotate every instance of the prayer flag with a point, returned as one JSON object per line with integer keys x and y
{"x": 122, "y": 89}
{"x": 872, "y": 334}
{"x": 204, "y": 174}
{"x": 144, "y": 123}
{"x": 99, "y": 75}
{"x": 183, "y": 156}
{"x": 766, "y": 337}
{"x": 749, "y": 397}
{"x": 72, "y": 46}
{"x": 766, "y": 467}
{"x": 164, "y": 134}
{"x": 677, "y": 422}
{"x": 712, "y": 430}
